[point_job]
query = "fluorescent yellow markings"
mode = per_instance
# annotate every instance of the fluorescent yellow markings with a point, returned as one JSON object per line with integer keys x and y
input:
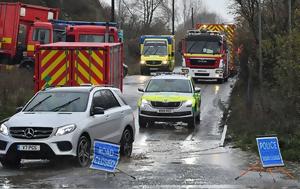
{"x": 53, "y": 65}
{"x": 48, "y": 57}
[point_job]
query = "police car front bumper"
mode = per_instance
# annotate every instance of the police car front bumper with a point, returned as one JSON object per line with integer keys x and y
{"x": 180, "y": 113}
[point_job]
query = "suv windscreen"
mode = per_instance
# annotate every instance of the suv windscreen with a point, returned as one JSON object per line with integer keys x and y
{"x": 58, "y": 102}
{"x": 169, "y": 85}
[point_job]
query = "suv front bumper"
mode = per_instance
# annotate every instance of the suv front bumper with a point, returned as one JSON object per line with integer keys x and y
{"x": 64, "y": 145}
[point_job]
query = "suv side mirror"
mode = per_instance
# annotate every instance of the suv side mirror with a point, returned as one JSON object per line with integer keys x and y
{"x": 197, "y": 90}
{"x": 141, "y": 90}
{"x": 97, "y": 111}
{"x": 18, "y": 109}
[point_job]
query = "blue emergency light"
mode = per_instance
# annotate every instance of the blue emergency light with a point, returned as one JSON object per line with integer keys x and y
{"x": 73, "y": 23}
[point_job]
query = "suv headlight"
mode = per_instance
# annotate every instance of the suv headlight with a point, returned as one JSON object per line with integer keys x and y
{"x": 165, "y": 62}
{"x": 4, "y": 129}
{"x": 188, "y": 103}
{"x": 65, "y": 130}
{"x": 142, "y": 62}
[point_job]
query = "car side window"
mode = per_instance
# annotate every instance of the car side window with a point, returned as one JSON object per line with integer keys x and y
{"x": 121, "y": 96}
{"x": 105, "y": 99}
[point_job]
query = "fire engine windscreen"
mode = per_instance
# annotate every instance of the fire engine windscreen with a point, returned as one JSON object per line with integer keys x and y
{"x": 95, "y": 38}
{"x": 203, "y": 45}
{"x": 41, "y": 35}
{"x": 155, "y": 48}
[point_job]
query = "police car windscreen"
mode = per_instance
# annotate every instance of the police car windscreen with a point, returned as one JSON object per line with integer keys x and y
{"x": 169, "y": 85}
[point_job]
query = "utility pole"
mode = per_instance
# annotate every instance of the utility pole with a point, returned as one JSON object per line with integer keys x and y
{"x": 119, "y": 14}
{"x": 173, "y": 17}
{"x": 192, "y": 17}
{"x": 112, "y": 14}
{"x": 260, "y": 44}
{"x": 290, "y": 16}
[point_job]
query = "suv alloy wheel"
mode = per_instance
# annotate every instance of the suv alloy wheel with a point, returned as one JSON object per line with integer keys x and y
{"x": 83, "y": 151}
{"x": 126, "y": 143}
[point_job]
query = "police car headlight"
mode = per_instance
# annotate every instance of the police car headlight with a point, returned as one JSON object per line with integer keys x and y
{"x": 142, "y": 62}
{"x": 188, "y": 103}
{"x": 65, "y": 130}
{"x": 144, "y": 102}
{"x": 165, "y": 62}
{"x": 3, "y": 129}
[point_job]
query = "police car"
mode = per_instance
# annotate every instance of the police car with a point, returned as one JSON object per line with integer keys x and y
{"x": 169, "y": 98}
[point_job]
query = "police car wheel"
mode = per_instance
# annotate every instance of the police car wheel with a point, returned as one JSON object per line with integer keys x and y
{"x": 126, "y": 143}
{"x": 198, "y": 117}
{"x": 191, "y": 122}
{"x": 11, "y": 162}
{"x": 142, "y": 122}
{"x": 83, "y": 151}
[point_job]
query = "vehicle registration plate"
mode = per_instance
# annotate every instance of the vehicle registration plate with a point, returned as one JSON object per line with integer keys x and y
{"x": 201, "y": 71}
{"x": 153, "y": 68}
{"x": 165, "y": 111}
{"x": 29, "y": 147}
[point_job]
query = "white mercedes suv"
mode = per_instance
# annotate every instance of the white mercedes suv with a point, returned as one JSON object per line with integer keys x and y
{"x": 65, "y": 121}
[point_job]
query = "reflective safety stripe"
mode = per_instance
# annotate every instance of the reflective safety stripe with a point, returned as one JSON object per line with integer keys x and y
{"x": 202, "y": 55}
{"x": 30, "y": 47}
{"x": 6, "y": 40}
{"x": 89, "y": 67}
{"x": 54, "y": 68}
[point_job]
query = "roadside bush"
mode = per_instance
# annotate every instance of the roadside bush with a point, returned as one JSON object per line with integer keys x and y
{"x": 16, "y": 87}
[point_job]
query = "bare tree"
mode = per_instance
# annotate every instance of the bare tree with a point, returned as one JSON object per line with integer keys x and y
{"x": 149, "y": 10}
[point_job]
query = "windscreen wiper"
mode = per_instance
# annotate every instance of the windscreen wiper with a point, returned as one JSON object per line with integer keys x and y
{"x": 66, "y": 104}
{"x": 146, "y": 51}
{"x": 191, "y": 46}
{"x": 39, "y": 103}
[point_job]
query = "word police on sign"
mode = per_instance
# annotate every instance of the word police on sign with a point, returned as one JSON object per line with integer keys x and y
{"x": 269, "y": 152}
{"x": 106, "y": 156}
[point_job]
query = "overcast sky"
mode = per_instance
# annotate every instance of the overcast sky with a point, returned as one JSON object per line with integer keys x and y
{"x": 221, "y": 8}
{"x": 218, "y": 6}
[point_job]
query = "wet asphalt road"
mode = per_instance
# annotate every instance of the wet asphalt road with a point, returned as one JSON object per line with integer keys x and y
{"x": 166, "y": 156}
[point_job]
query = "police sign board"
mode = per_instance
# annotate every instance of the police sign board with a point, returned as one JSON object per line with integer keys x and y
{"x": 269, "y": 152}
{"x": 106, "y": 156}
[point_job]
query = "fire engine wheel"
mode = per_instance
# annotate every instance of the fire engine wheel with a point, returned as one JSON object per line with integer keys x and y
{"x": 220, "y": 81}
